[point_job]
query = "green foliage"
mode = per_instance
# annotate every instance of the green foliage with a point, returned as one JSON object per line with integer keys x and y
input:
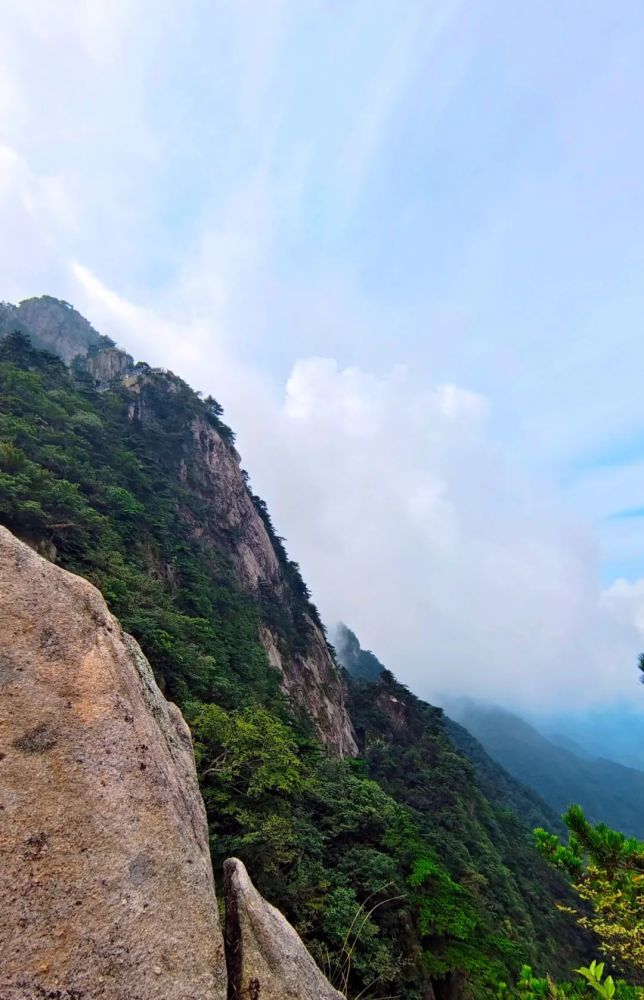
{"x": 593, "y": 975}
{"x": 590, "y": 983}
{"x": 77, "y": 472}
{"x": 253, "y": 751}
{"x": 505, "y": 892}
{"x": 443, "y": 906}
{"x": 499, "y": 787}
{"x": 607, "y": 871}
{"x": 347, "y": 864}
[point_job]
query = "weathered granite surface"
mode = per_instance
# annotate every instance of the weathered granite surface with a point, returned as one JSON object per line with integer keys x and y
{"x": 267, "y": 959}
{"x": 106, "y": 887}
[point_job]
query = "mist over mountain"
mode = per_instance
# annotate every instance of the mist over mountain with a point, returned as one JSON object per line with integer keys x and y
{"x": 616, "y": 733}
{"x": 321, "y": 313}
{"x": 499, "y": 786}
{"x": 360, "y": 663}
{"x": 608, "y": 791}
{"x": 457, "y": 565}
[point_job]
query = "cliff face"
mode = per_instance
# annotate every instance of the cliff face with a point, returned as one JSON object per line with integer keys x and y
{"x": 103, "y": 839}
{"x": 229, "y": 518}
{"x": 53, "y": 325}
{"x": 108, "y": 363}
{"x": 221, "y": 514}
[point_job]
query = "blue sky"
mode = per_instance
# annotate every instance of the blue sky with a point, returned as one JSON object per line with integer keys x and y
{"x": 424, "y": 195}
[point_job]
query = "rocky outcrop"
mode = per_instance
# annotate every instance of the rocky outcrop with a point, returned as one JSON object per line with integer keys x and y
{"x": 106, "y": 889}
{"x": 227, "y": 511}
{"x": 359, "y": 663}
{"x": 312, "y": 682}
{"x": 230, "y": 520}
{"x": 266, "y": 958}
{"x": 53, "y": 325}
{"x": 108, "y": 364}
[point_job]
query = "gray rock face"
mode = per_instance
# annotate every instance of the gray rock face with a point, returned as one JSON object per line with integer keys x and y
{"x": 106, "y": 889}
{"x": 266, "y": 958}
{"x": 108, "y": 364}
{"x": 310, "y": 679}
{"x": 53, "y": 325}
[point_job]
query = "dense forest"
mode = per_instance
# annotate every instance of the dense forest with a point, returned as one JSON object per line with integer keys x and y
{"x": 409, "y": 868}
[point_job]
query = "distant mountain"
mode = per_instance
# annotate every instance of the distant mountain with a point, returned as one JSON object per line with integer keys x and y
{"x": 615, "y": 732}
{"x": 369, "y": 675}
{"x": 565, "y": 741}
{"x": 500, "y": 786}
{"x": 362, "y": 664}
{"x": 608, "y": 792}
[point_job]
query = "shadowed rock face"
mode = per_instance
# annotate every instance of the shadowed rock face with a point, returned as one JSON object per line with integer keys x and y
{"x": 266, "y": 958}
{"x": 106, "y": 887}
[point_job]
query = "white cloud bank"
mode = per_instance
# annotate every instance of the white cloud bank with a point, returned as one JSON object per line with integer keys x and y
{"x": 411, "y": 527}
{"x": 410, "y": 524}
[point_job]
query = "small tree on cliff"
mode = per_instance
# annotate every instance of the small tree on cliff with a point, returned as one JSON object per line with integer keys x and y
{"x": 607, "y": 870}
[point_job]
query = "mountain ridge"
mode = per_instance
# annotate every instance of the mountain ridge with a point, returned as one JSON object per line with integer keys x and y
{"x": 260, "y": 563}
{"x": 132, "y": 480}
{"x": 607, "y": 791}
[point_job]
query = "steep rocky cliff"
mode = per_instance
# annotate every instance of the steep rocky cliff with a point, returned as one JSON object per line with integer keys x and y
{"x": 53, "y": 325}
{"x": 106, "y": 887}
{"x": 228, "y": 518}
{"x": 218, "y": 507}
{"x": 107, "y": 364}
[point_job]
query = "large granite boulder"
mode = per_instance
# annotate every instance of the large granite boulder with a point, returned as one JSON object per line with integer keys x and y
{"x": 267, "y": 960}
{"x": 106, "y": 887}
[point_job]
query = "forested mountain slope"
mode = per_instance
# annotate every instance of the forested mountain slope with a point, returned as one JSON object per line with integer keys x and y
{"x": 334, "y": 798}
{"x": 139, "y": 487}
{"x": 608, "y": 792}
{"x": 498, "y": 786}
{"x": 361, "y": 664}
